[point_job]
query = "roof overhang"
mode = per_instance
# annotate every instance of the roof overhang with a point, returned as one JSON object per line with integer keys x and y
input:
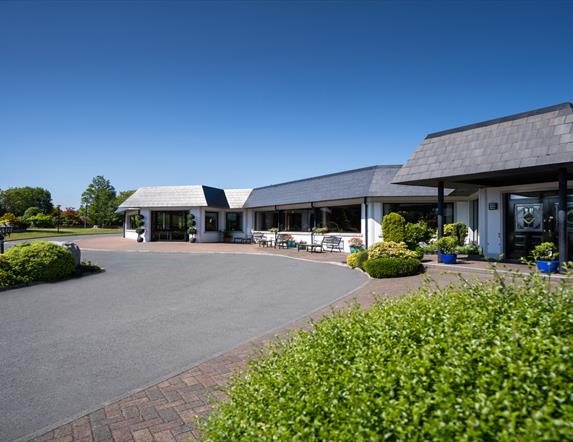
{"x": 497, "y": 178}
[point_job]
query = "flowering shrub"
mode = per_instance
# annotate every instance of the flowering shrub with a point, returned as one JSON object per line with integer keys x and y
{"x": 357, "y": 259}
{"x": 390, "y": 249}
{"x": 356, "y": 242}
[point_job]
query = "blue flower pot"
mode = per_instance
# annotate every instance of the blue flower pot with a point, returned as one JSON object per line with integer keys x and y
{"x": 448, "y": 258}
{"x": 291, "y": 244}
{"x": 547, "y": 266}
{"x": 355, "y": 249}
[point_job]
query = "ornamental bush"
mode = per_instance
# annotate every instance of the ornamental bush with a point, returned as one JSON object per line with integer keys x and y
{"x": 390, "y": 249}
{"x": 7, "y": 276}
{"x": 487, "y": 360}
{"x": 357, "y": 259}
{"x": 389, "y": 267}
{"x": 416, "y": 233}
{"x": 41, "y": 220}
{"x": 40, "y": 261}
{"x": 394, "y": 228}
{"x": 457, "y": 230}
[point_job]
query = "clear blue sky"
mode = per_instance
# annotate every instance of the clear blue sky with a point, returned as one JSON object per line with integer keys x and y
{"x": 244, "y": 94}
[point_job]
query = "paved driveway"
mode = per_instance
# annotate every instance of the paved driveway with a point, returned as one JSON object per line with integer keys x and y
{"x": 70, "y": 346}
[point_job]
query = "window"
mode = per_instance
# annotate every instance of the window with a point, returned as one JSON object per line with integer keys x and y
{"x": 414, "y": 212}
{"x": 234, "y": 221}
{"x": 211, "y": 221}
{"x": 265, "y": 220}
{"x": 132, "y": 222}
{"x": 341, "y": 218}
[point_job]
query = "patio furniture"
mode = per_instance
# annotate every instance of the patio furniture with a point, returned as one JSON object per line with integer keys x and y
{"x": 282, "y": 241}
{"x": 329, "y": 243}
{"x": 301, "y": 246}
{"x": 256, "y": 238}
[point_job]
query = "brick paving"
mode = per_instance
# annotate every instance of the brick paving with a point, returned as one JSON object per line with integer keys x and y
{"x": 169, "y": 411}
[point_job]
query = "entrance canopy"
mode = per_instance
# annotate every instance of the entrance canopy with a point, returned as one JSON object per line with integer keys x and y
{"x": 530, "y": 147}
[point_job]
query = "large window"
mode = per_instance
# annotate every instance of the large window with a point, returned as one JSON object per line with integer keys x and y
{"x": 340, "y": 218}
{"x": 168, "y": 225}
{"x": 211, "y": 221}
{"x": 414, "y": 212}
{"x": 132, "y": 222}
{"x": 234, "y": 221}
{"x": 335, "y": 218}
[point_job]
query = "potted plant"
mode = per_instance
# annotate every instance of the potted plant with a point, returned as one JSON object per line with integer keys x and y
{"x": 546, "y": 255}
{"x": 320, "y": 230}
{"x": 447, "y": 249}
{"x": 291, "y": 243}
{"x": 191, "y": 227}
{"x": 356, "y": 244}
{"x": 139, "y": 229}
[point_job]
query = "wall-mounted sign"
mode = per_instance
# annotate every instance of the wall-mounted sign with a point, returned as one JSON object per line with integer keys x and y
{"x": 492, "y": 206}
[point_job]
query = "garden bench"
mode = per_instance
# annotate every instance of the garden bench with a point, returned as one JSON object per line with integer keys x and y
{"x": 282, "y": 241}
{"x": 329, "y": 243}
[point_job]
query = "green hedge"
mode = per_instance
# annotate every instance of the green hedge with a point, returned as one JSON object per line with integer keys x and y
{"x": 390, "y": 267}
{"x": 357, "y": 259}
{"x": 39, "y": 261}
{"x": 393, "y": 228}
{"x": 487, "y": 361}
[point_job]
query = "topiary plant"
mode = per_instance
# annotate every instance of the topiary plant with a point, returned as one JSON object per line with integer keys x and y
{"x": 139, "y": 229}
{"x": 391, "y": 267}
{"x": 390, "y": 249}
{"x": 394, "y": 228}
{"x": 191, "y": 227}
{"x": 40, "y": 261}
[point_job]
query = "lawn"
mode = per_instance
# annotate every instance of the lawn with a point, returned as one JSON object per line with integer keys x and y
{"x": 64, "y": 231}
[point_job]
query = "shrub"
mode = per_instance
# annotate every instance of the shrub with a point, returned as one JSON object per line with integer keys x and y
{"x": 457, "y": 230}
{"x": 546, "y": 251}
{"x": 41, "y": 220}
{"x": 394, "y": 228}
{"x": 480, "y": 361}
{"x": 447, "y": 244}
{"x": 390, "y": 249}
{"x": 392, "y": 267}
{"x": 16, "y": 222}
{"x": 40, "y": 261}
{"x": 470, "y": 249}
{"x": 7, "y": 276}
{"x": 357, "y": 259}
{"x": 416, "y": 233}
{"x": 31, "y": 211}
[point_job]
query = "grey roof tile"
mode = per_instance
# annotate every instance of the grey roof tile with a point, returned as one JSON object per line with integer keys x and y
{"x": 531, "y": 138}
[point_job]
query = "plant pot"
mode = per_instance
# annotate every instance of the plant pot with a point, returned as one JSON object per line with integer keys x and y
{"x": 192, "y": 239}
{"x": 354, "y": 249}
{"x": 139, "y": 239}
{"x": 448, "y": 258}
{"x": 291, "y": 244}
{"x": 548, "y": 266}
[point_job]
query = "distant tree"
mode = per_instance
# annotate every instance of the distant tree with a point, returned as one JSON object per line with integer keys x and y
{"x": 17, "y": 199}
{"x": 31, "y": 211}
{"x": 70, "y": 216}
{"x": 101, "y": 200}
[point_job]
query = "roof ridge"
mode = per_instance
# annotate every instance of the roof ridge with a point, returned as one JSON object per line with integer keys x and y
{"x": 541, "y": 110}
{"x": 377, "y": 166}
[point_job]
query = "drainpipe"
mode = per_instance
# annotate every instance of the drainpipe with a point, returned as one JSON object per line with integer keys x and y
{"x": 366, "y": 222}
{"x": 440, "y": 212}
{"x": 562, "y": 216}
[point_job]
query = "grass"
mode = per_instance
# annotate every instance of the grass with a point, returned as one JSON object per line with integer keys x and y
{"x": 64, "y": 231}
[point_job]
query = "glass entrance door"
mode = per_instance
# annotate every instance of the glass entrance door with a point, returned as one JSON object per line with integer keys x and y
{"x": 168, "y": 226}
{"x": 532, "y": 219}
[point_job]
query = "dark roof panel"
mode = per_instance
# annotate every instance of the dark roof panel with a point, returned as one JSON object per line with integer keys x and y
{"x": 532, "y": 139}
{"x": 371, "y": 181}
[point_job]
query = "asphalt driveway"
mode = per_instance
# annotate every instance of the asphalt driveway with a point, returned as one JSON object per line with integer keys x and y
{"x": 70, "y": 346}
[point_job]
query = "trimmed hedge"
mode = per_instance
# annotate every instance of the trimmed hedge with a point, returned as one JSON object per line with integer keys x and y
{"x": 390, "y": 249}
{"x": 390, "y": 267}
{"x": 39, "y": 261}
{"x": 357, "y": 259}
{"x": 489, "y": 360}
{"x": 393, "y": 228}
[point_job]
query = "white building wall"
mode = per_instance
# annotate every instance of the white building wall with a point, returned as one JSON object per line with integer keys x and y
{"x": 491, "y": 222}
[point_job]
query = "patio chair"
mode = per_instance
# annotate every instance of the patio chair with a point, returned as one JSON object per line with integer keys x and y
{"x": 255, "y": 238}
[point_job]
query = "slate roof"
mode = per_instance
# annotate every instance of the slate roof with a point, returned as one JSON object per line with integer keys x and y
{"x": 523, "y": 141}
{"x": 185, "y": 196}
{"x": 370, "y": 181}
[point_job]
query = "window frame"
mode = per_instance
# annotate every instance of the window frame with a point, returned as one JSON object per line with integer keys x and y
{"x": 239, "y": 220}
{"x": 206, "y": 224}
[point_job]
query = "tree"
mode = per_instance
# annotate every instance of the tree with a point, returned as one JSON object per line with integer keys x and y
{"x": 17, "y": 199}
{"x": 101, "y": 200}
